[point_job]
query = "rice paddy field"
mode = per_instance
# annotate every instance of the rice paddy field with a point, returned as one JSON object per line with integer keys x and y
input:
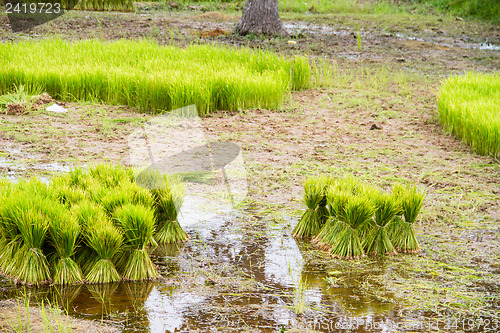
{"x": 347, "y": 182}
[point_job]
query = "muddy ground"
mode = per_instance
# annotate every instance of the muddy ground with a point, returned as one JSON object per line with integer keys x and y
{"x": 391, "y": 80}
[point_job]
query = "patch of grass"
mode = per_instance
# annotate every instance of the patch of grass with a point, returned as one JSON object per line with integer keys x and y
{"x": 338, "y": 6}
{"x": 469, "y": 107}
{"x": 483, "y": 9}
{"x": 152, "y": 77}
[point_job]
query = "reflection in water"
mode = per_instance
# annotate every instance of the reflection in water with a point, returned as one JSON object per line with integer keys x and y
{"x": 166, "y": 309}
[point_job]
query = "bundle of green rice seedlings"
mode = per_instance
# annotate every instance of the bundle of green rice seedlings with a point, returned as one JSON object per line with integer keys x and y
{"x": 12, "y": 202}
{"x": 348, "y": 184}
{"x": 66, "y": 194}
{"x": 402, "y": 233}
{"x": 64, "y": 231}
{"x": 116, "y": 198}
{"x": 109, "y": 175}
{"x": 94, "y": 191}
{"x": 151, "y": 179}
{"x": 34, "y": 188}
{"x": 105, "y": 240}
{"x": 315, "y": 216}
{"x": 336, "y": 223}
{"x": 137, "y": 225}
{"x": 377, "y": 240}
{"x": 32, "y": 265}
{"x": 139, "y": 195}
{"x": 75, "y": 178}
{"x": 358, "y": 211}
{"x": 86, "y": 214}
{"x": 168, "y": 202}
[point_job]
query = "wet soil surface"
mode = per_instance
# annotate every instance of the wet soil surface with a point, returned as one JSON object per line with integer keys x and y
{"x": 377, "y": 119}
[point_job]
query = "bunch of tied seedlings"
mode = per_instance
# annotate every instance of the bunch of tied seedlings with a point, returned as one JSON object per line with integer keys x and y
{"x": 365, "y": 220}
{"x": 316, "y": 214}
{"x": 91, "y": 226}
{"x": 168, "y": 196}
{"x": 401, "y": 230}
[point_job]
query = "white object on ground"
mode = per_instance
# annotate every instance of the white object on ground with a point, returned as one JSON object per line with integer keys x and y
{"x": 56, "y": 108}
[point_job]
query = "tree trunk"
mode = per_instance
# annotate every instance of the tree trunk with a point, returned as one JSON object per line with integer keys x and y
{"x": 260, "y": 17}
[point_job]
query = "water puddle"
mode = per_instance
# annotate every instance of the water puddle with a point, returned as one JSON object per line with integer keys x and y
{"x": 14, "y": 163}
{"x": 489, "y": 46}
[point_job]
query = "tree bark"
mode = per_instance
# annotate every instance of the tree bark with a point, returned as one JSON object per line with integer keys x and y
{"x": 260, "y": 17}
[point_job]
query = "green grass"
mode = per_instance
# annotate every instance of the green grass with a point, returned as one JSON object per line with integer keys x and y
{"x": 151, "y": 77}
{"x": 483, "y": 9}
{"x": 338, "y": 6}
{"x": 469, "y": 107}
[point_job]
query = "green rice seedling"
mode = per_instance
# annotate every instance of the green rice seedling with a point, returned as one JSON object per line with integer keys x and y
{"x": 316, "y": 214}
{"x": 87, "y": 214}
{"x": 358, "y": 211}
{"x": 138, "y": 195}
{"x": 469, "y": 108}
{"x": 66, "y": 194}
{"x": 401, "y": 231}
{"x": 137, "y": 224}
{"x": 105, "y": 240}
{"x": 337, "y": 222}
{"x": 377, "y": 240}
{"x": 34, "y": 188}
{"x": 11, "y": 237}
{"x": 63, "y": 232}
{"x": 32, "y": 265}
{"x": 168, "y": 202}
{"x": 348, "y": 184}
{"x": 109, "y": 175}
{"x": 19, "y": 96}
{"x": 94, "y": 191}
{"x": 116, "y": 198}
{"x": 76, "y": 177}
{"x": 154, "y": 78}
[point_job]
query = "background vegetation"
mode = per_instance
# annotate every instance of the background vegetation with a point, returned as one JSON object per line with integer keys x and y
{"x": 152, "y": 77}
{"x": 469, "y": 107}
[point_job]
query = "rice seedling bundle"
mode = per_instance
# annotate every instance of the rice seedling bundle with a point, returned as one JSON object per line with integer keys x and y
{"x": 151, "y": 77}
{"x": 64, "y": 231}
{"x": 377, "y": 240}
{"x": 90, "y": 226}
{"x": 137, "y": 223}
{"x": 469, "y": 108}
{"x": 106, "y": 241}
{"x": 168, "y": 200}
{"x": 364, "y": 220}
{"x": 401, "y": 229}
{"x": 316, "y": 214}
